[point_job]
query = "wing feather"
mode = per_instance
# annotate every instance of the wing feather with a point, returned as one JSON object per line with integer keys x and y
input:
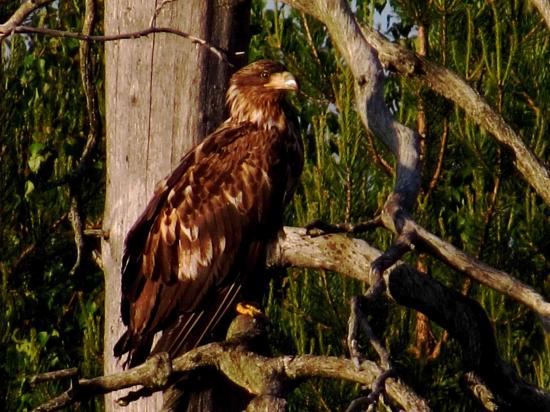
{"x": 196, "y": 233}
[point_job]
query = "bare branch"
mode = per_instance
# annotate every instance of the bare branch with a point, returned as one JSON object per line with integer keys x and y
{"x": 20, "y": 15}
{"x": 363, "y": 62}
{"x": 94, "y": 124}
{"x": 362, "y": 59}
{"x": 483, "y": 273}
{"x": 456, "y": 89}
{"x": 462, "y": 317}
{"x": 439, "y": 164}
{"x": 359, "y": 55}
{"x": 221, "y": 54}
{"x": 56, "y": 375}
{"x": 76, "y": 223}
{"x": 415, "y": 234}
{"x": 357, "y": 318}
{"x": 90, "y": 91}
{"x": 249, "y": 370}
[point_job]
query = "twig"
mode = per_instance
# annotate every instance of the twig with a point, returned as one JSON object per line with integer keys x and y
{"x": 309, "y": 39}
{"x": 222, "y": 55}
{"x": 378, "y": 159}
{"x": 99, "y": 233}
{"x": 94, "y": 124}
{"x": 56, "y": 375}
{"x": 97, "y": 258}
{"x": 357, "y": 318}
{"x": 90, "y": 91}
{"x": 440, "y": 157}
{"x": 157, "y": 11}
{"x": 319, "y": 227}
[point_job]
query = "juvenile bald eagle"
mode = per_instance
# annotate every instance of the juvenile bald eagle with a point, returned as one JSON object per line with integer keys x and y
{"x": 201, "y": 240}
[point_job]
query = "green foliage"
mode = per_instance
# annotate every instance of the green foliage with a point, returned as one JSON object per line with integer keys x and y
{"x": 52, "y": 320}
{"x": 49, "y": 319}
{"x": 501, "y": 49}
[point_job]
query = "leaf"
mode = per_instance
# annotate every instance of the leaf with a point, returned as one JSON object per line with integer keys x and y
{"x": 29, "y": 188}
{"x": 37, "y": 156}
{"x": 43, "y": 338}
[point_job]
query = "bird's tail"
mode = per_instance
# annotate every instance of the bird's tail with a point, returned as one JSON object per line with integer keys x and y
{"x": 189, "y": 330}
{"x": 138, "y": 350}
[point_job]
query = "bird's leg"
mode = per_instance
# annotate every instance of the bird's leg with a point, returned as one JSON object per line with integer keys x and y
{"x": 319, "y": 227}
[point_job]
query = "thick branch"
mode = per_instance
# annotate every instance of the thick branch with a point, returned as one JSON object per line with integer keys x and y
{"x": 451, "y": 255}
{"x": 258, "y": 374}
{"x": 337, "y": 16}
{"x": 363, "y": 61}
{"x": 462, "y": 317}
{"x": 483, "y": 273}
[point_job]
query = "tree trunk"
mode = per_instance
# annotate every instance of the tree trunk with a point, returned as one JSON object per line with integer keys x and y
{"x": 163, "y": 93}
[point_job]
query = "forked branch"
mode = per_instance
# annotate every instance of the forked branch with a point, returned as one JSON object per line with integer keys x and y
{"x": 259, "y": 375}
{"x": 464, "y": 318}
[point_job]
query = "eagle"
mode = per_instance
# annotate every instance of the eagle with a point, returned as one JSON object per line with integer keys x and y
{"x": 201, "y": 242}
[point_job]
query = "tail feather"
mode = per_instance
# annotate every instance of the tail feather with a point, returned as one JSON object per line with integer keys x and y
{"x": 189, "y": 330}
{"x": 138, "y": 350}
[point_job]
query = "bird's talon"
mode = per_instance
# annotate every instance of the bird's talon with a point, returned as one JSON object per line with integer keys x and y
{"x": 248, "y": 309}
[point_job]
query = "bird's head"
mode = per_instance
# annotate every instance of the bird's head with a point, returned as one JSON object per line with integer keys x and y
{"x": 256, "y": 90}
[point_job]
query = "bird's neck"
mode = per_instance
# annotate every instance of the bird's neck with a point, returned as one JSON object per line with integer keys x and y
{"x": 265, "y": 113}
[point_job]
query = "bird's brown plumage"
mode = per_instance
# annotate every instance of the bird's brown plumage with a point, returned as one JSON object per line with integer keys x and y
{"x": 203, "y": 235}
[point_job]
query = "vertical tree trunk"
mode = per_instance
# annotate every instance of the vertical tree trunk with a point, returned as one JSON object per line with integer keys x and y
{"x": 163, "y": 94}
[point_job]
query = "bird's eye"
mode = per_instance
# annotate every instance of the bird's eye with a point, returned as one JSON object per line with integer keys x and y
{"x": 264, "y": 74}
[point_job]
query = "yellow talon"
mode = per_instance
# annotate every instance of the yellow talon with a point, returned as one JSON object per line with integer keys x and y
{"x": 248, "y": 309}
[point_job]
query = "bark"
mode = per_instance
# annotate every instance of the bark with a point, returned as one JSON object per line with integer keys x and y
{"x": 268, "y": 379}
{"x": 543, "y": 7}
{"x": 163, "y": 94}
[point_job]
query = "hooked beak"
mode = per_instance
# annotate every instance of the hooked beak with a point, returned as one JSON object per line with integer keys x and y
{"x": 282, "y": 81}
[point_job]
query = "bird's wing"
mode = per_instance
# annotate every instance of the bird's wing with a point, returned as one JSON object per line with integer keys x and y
{"x": 189, "y": 244}
{"x": 190, "y": 328}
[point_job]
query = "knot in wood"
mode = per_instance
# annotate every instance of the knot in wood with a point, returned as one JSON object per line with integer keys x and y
{"x": 159, "y": 370}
